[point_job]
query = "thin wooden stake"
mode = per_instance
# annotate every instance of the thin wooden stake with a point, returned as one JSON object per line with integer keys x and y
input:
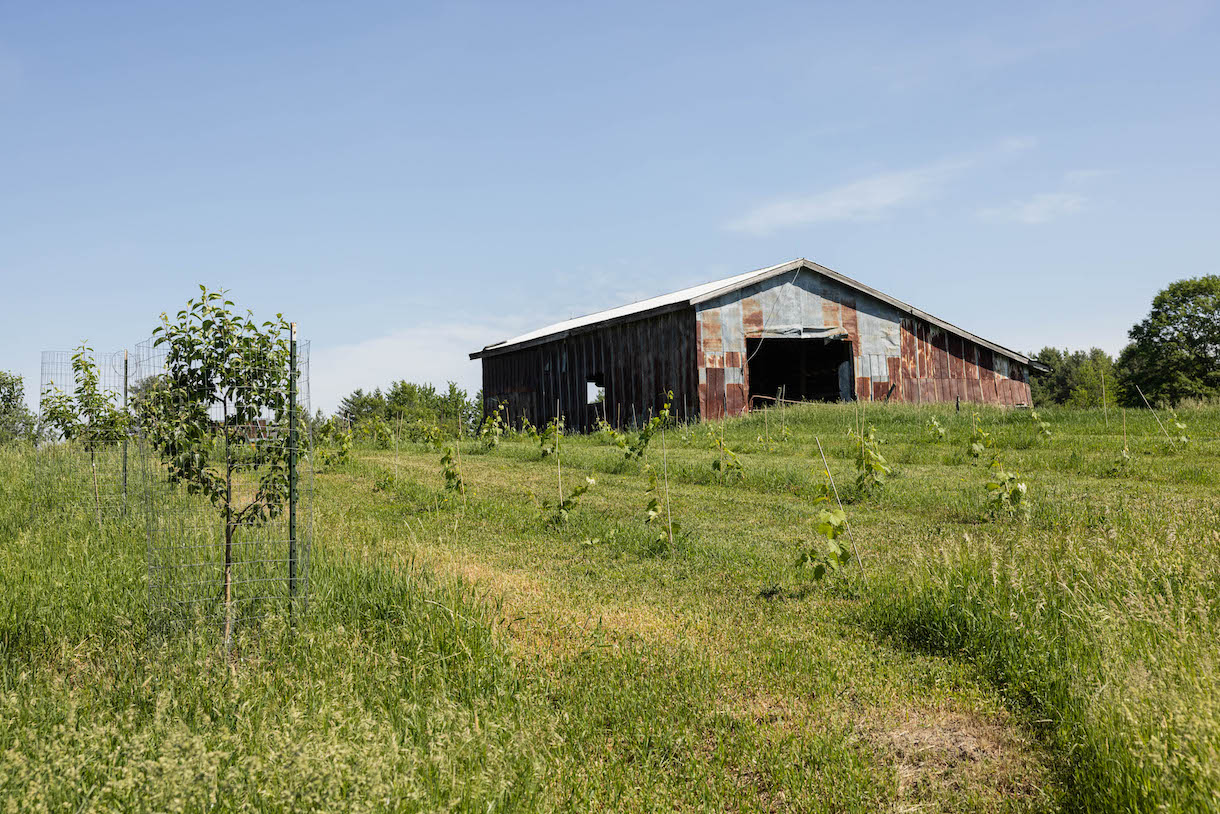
{"x": 558, "y": 464}
{"x": 1154, "y": 415}
{"x": 458, "y": 444}
{"x": 850, "y": 536}
{"x": 1105, "y": 409}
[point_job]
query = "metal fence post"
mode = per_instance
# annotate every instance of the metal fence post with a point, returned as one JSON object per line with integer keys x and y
{"x": 292, "y": 467}
{"x": 126, "y": 432}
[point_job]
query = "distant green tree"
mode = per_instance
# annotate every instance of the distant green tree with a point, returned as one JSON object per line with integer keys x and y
{"x": 16, "y": 421}
{"x": 1175, "y": 351}
{"x": 1094, "y": 380}
{"x": 1075, "y": 378}
{"x": 451, "y": 410}
{"x": 361, "y": 405}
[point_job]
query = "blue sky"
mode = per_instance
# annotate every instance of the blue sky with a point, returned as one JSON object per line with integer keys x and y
{"x": 410, "y": 182}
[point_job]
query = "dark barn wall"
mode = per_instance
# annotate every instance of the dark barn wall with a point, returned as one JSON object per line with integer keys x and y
{"x": 636, "y": 361}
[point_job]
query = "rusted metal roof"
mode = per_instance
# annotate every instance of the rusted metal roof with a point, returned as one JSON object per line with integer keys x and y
{"x": 707, "y": 291}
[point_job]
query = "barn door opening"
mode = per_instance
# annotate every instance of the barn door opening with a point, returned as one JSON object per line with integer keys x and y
{"x": 810, "y": 369}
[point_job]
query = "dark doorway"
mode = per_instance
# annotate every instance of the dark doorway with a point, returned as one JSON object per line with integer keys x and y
{"x": 807, "y": 369}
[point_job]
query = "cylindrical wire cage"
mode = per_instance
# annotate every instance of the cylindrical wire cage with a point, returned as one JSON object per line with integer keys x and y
{"x": 229, "y": 554}
{"x": 84, "y": 452}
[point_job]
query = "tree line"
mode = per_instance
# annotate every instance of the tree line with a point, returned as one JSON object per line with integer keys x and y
{"x": 407, "y": 403}
{"x": 1173, "y": 355}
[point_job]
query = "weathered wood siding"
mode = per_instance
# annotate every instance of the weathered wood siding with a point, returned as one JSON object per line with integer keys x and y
{"x": 637, "y": 361}
{"x": 922, "y": 362}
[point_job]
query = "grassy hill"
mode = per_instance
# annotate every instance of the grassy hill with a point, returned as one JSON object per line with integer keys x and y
{"x": 465, "y": 651}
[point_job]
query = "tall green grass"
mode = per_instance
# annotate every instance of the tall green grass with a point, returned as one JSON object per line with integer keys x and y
{"x": 391, "y": 693}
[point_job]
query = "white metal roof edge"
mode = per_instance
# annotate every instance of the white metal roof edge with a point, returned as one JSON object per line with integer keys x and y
{"x": 681, "y": 296}
{"x": 694, "y": 295}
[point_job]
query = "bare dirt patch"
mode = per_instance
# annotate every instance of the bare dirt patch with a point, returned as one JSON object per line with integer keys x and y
{"x": 944, "y": 758}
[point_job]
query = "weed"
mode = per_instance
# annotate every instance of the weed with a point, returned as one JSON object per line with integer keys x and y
{"x": 1043, "y": 429}
{"x": 829, "y": 523}
{"x": 493, "y": 428}
{"x": 727, "y": 468}
{"x": 935, "y": 431}
{"x": 658, "y": 512}
{"x": 980, "y": 440}
{"x": 452, "y": 471}
{"x": 871, "y": 466}
{"x": 1180, "y": 437}
{"x": 548, "y": 440}
{"x": 560, "y": 512}
{"x": 1006, "y": 493}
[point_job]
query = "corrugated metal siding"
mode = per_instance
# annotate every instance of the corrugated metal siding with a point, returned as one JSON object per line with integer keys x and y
{"x": 638, "y": 361}
{"x": 924, "y": 363}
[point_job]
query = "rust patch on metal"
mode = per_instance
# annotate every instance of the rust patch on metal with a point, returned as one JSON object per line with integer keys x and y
{"x": 850, "y": 322}
{"x": 711, "y": 339}
{"x": 735, "y": 397}
{"x": 940, "y": 353}
{"x": 893, "y": 366}
{"x": 956, "y": 363}
{"x": 970, "y": 361}
{"x": 831, "y": 313}
{"x": 713, "y": 402}
{"x": 751, "y": 317}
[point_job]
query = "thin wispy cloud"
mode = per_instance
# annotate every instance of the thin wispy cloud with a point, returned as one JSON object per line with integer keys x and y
{"x": 868, "y": 198}
{"x": 435, "y": 353}
{"x": 1042, "y": 208}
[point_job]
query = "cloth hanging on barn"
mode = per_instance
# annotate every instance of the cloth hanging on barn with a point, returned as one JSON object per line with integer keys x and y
{"x": 802, "y": 332}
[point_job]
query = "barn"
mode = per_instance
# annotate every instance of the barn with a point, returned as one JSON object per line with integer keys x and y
{"x": 797, "y": 331}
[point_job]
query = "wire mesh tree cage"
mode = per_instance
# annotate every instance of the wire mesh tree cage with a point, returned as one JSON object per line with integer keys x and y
{"x": 84, "y": 443}
{"x": 226, "y": 557}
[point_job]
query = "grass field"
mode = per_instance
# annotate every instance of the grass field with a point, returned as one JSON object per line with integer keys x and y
{"x": 463, "y": 653}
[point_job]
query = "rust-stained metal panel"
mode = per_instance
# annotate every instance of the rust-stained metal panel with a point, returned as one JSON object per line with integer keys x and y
{"x": 850, "y": 322}
{"x": 713, "y": 406}
{"x": 956, "y": 363}
{"x": 752, "y": 317}
{"x": 940, "y": 353}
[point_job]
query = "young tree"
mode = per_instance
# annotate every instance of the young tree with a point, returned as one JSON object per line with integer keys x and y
{"x": 225, "y": 375}
{"x": 89, "y": 415}
{"x": 1175, "y": 351}
{"x": 16, "y": 421}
